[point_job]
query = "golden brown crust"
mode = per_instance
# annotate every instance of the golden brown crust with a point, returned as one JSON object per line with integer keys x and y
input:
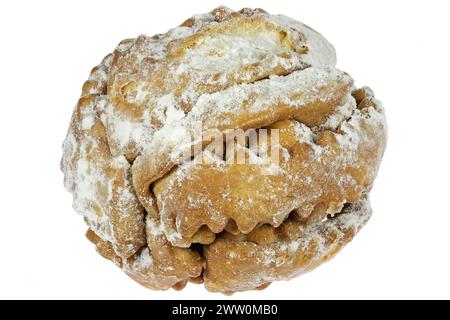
{"x": 341, "y": 171}
{"x": 177, "y": 69}
{"x": 101, "y": 182}
{"x": 166, "y": 218}
{"x": 308, "y": 104}
{"x": 245, "y": 264}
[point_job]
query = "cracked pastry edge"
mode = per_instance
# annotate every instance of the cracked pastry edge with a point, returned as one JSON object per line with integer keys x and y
{"x": 355, "y": 126}
{"x": 315, "y": 87}
{"x": 239, "y": 266}
{"x": 261, "y": 263}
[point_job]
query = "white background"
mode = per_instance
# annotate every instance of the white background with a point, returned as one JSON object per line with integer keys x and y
{"x": 399, "y": 48}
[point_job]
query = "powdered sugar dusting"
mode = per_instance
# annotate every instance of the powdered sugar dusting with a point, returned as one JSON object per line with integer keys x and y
{"x": 125, "y": 149}
{"x": 321, "y": 52}
{"x": 213, "y": 62}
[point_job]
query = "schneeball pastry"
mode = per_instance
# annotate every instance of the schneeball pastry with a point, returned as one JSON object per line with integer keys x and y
{"x": 228, "y": 151}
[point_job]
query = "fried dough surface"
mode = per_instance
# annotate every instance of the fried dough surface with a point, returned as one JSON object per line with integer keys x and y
{"x": 165, "y": 216}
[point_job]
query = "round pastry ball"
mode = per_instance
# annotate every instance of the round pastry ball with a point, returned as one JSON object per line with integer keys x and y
{"x": 228, "y": 151}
